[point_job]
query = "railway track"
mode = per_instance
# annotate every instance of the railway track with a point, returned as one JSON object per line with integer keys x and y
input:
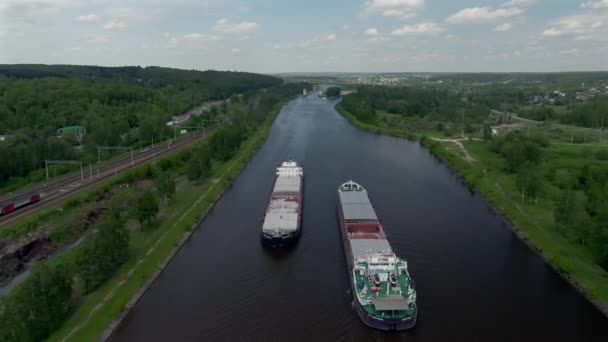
{"x": 66, "y": 186}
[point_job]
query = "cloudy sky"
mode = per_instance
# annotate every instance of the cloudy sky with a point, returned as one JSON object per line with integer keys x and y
{"x": 313, "y": 35}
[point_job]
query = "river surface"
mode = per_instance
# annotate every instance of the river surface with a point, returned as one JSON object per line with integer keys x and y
{"x": 476, "y": 281}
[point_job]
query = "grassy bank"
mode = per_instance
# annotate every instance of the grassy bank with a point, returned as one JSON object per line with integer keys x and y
{"x": 533, "y": 221}
{"x": 153, "y": 252}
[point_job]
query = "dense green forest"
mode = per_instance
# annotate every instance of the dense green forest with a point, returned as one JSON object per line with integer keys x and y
{"x": 46, "y": 299}
{"x": 123, "y": 106}
{"x": 432, "y": 104}
{"x": 592, "y": 113}
{"x": 333, "y": 92}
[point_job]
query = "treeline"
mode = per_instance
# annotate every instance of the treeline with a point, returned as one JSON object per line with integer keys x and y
{"x": 125, "y": 106}
{"x": 579, "y": 193}
{"x": 593, "y": 114}
{"x": 40, "y": 305}
{"x": 433, "y": 104}
{"x": 561, "y": 78}
{"x": 333, "y": 92}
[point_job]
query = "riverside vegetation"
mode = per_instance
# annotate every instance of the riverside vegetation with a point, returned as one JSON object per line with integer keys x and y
{"x": 555, "y": 194}
{"x": 144, "y": 214}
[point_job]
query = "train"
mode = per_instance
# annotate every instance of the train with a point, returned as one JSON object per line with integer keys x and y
{"x": 9, "y": 207}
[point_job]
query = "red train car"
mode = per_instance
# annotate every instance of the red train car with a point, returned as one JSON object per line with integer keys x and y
{"x": 22, "y": 202}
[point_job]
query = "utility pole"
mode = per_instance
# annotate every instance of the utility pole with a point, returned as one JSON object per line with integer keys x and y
{"x": 73, "y": 162}
{"x": 99, "y": 148}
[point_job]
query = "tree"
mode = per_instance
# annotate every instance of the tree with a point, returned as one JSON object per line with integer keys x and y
{"x": 333, "y": 92}
{"x": 199, "y": 166}
{"x": 519, "y": 149}
{"x": 564, "y": 207}
{"x": 101, "y": 254}
{"x": 37, "y": 306}
{"x": 165, "y": 185}
{"x": 487, "y": 132}
{"x": 147, "y": 208}
{"x": 529, "y": 181}
{"x": 599, "y": 243}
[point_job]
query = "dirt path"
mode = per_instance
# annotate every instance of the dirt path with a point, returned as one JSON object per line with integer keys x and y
{"x": 458, "y": 142}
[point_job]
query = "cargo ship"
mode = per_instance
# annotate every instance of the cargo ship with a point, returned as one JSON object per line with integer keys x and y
{"x": 383, "y": 290}
{"x": 281, "y": 226}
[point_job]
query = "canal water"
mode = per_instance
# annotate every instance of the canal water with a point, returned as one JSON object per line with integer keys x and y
{"x": 476, "y": 281}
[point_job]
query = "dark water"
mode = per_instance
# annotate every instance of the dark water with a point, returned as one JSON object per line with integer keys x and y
{"x": 475, "y": 280}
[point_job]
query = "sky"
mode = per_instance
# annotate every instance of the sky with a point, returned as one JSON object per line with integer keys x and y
{"x": 273, "y": 36}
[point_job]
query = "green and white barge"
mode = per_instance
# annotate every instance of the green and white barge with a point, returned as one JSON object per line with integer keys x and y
{"x": 383, "y": 290}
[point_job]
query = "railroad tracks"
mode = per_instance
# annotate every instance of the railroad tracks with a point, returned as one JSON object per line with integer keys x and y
{"x": 66, "y": 186}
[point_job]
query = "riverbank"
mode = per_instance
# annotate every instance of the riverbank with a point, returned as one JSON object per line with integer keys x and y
{"x": 573, "y": 264}
{"x": 104, "y": 310}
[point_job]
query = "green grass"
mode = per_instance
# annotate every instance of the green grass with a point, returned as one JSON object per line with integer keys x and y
{"x": 533, "y": 222}
{"x": 146, "y": 261}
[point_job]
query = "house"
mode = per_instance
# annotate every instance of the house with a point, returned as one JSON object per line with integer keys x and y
{"x": 504, "y": 128}
{"x": 77, "y": 131}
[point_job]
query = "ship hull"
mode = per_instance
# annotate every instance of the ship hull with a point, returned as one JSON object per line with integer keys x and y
{"x": 281, "y": 241}
{"x": 287, "y": 240}
{"x": 373, "y": 322}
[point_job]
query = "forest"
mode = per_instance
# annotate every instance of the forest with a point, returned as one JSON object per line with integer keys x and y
{"x": 43, "y": 302}
{"x": 592, "y": 113}
{"x": 432, "y": 104}
{"x": 121, "y": 106}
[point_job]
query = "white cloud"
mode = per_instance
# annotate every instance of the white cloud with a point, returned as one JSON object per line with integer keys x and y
{"x": 552, "y": 32}
{"x": 595, "y": 4}
{"x": 372, "y": 31}
{"x": 588, "y": 26}
{"x": 477, "y": 15}
{"x": 503, "y": 27}
{"x": 112, "y": 24}
{"x": 316, "y": 42}
{"x": 133, "y": 14}
{"x": 378, "y": 39}
{"x": 393, "y": 8}
{"x": 32, "y": 11}
{"x": 427, "y": 28}
{"x": 194, "y": 39}
{"x": 120, "y": 17}
{"x": 518, "y": 3}
{"x": 226, "y": 26}
{"x": 88, "y": 17}
{"x": 96, "y": 39}
{"x": 200, "y": 37}
{"x": 573, "y": 51}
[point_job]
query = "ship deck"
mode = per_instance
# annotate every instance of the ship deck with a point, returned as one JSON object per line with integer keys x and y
{"x": 389, "y": 301}
{"x": 284, "y": 207}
